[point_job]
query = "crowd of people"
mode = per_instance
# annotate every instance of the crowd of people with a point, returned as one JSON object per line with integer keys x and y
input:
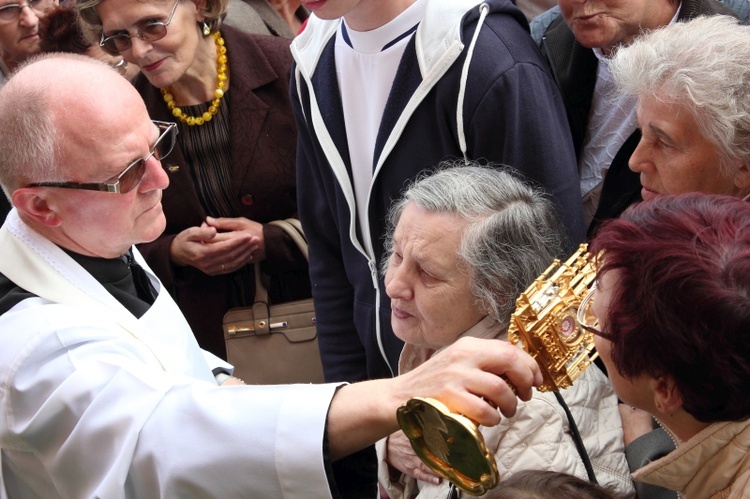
{"x": 439, "y": 154}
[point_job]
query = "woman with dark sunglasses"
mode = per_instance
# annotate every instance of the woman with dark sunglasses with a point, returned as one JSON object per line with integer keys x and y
{"x": 233, "y": 168}
{"x": 673, "y": 310}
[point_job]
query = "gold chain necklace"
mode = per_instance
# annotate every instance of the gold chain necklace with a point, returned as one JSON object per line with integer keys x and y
{"x": 221, "y": 86}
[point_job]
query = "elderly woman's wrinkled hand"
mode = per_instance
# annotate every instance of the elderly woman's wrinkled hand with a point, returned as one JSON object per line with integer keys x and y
{"x": 401, "y": 457}
{"x": 466, "y": 377}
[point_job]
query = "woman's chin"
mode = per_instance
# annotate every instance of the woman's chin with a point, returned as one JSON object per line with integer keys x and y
{"x": 406, "y": 329}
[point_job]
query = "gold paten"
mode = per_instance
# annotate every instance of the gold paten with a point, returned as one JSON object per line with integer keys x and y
{"x": 545, "y": 324}
{"x": 450, "y": 444}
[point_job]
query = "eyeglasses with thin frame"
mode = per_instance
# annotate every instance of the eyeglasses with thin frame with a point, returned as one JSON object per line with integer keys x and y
{"x": 12, "y": 11}
{"x": 133, "y": 174}
{"x": 149, "y": 31}
{"x": 121, "y": 67}
{"x": 586, "y": 317}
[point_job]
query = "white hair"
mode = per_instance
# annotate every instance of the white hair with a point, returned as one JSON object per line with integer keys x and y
{"x": 703, "y": 66}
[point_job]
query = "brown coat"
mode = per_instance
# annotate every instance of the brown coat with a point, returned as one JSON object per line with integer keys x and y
{"x": 263, "y": 146}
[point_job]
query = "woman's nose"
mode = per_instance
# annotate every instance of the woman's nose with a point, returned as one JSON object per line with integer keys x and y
{"x": 139, "y": 48}
{"x": 639, "y": 158}
{"x": 397, "y": 284}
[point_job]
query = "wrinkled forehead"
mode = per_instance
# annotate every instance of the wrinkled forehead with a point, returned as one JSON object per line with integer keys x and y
{"x": 94, "y": 108}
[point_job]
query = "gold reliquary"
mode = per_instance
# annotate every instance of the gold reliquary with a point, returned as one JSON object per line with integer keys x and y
{"x": 545, "y": 324}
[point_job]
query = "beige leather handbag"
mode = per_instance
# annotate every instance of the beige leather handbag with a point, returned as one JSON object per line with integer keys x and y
{"x": 274, "y": 344}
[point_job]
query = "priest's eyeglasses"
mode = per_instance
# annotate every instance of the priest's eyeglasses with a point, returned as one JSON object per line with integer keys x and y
{"x": 149, "y": 31}
{"x": 131, "y": 176}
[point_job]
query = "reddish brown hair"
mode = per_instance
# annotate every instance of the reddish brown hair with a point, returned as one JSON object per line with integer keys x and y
{"x": 60, "y": 32}
{"x": 682, "y": 304}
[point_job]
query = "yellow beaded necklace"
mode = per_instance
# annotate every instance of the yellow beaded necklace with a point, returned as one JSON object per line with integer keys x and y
{"x": 221, "y": 86}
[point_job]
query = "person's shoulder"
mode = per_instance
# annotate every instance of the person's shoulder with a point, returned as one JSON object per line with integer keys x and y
{"x": 266, "y": 43}
{"x": 734, "y": 8}
{"x": 251, "y": 48}
{"x": 541, "y": 23}
{"x": 740, "y": 7}
{"x": 505, "y": 43}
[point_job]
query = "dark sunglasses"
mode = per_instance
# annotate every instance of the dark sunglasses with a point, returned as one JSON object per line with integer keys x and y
{"x": 150, "y": 31}
{"x": 131, "y": 176}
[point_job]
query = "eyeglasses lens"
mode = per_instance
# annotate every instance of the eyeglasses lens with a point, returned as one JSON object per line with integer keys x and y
{"x": 132, "y": 176}
{"x": 586, "y": 318}
{"x": 135, "y": 173}
{"x": 12, "y": 11}
{"x": 148, "y": 32}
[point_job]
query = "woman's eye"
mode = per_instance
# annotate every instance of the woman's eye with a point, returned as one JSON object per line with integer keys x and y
{"x": 428, "y": 278}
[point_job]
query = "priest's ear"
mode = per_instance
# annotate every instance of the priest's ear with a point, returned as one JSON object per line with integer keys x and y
{"x": 37, "y": 204}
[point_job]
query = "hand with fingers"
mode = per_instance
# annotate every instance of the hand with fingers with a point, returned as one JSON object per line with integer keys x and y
{"x": 477, "y": 378}
{"x": 211, "y": 251}
{"x": 244, "y": 226}
{"x": 401, "y": 459}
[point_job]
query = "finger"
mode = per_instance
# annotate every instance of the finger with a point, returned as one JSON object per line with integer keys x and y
{"x": 198, "y": 234}
{"x": 223, "y": 223}
{"x": 224, "y": 250}
{"x": 500, "y": 396}
{"x": 424, "y": 476}
{"x": 516, "y": 367}
{"x": 232, "y": 235}
{"x": 487, "y": 394}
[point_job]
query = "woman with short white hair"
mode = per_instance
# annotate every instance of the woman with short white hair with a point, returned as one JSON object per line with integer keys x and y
{"x": 692, "y": 84}
{"x": 579, "y": 44}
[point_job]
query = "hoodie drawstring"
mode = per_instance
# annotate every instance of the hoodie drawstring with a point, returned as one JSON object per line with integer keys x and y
{"x": 484, "y": 9}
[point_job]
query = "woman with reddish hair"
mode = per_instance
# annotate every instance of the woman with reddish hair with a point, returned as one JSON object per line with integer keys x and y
{"x": 673, "y": 306}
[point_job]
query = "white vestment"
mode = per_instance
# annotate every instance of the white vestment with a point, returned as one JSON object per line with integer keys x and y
{"x": 97, "y": 403}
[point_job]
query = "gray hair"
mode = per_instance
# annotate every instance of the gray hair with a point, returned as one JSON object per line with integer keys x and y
{"x": 28, "y": 149}
{"x": 512, "y": 233}
{"x": 701, "y": 65}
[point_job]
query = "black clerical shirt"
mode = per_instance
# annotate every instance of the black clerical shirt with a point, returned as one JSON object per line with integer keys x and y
{"x": 122, "y": 277}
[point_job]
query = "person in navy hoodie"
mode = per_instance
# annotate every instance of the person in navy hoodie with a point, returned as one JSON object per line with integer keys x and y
{"x": 384, "y": 90}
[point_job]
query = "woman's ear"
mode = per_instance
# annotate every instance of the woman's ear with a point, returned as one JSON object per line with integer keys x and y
{"x": 200, "y": 10}
{"x": 33, "y": 203}
{"x": 742, "y": 179}
{"x": 667, "y": 397}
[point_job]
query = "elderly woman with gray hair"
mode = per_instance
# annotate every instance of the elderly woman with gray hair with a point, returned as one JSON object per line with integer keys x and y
{"x": 692, "y": 84}
{"x": 463, "y": 243}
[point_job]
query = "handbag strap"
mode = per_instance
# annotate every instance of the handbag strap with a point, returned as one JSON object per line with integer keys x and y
{"x": 293, "y": 228}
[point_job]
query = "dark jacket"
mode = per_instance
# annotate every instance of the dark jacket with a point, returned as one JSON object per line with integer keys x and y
{"x": 263, "y": 138}
{"x": 512, "y": 114}
{"x": 574, "y": 67}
